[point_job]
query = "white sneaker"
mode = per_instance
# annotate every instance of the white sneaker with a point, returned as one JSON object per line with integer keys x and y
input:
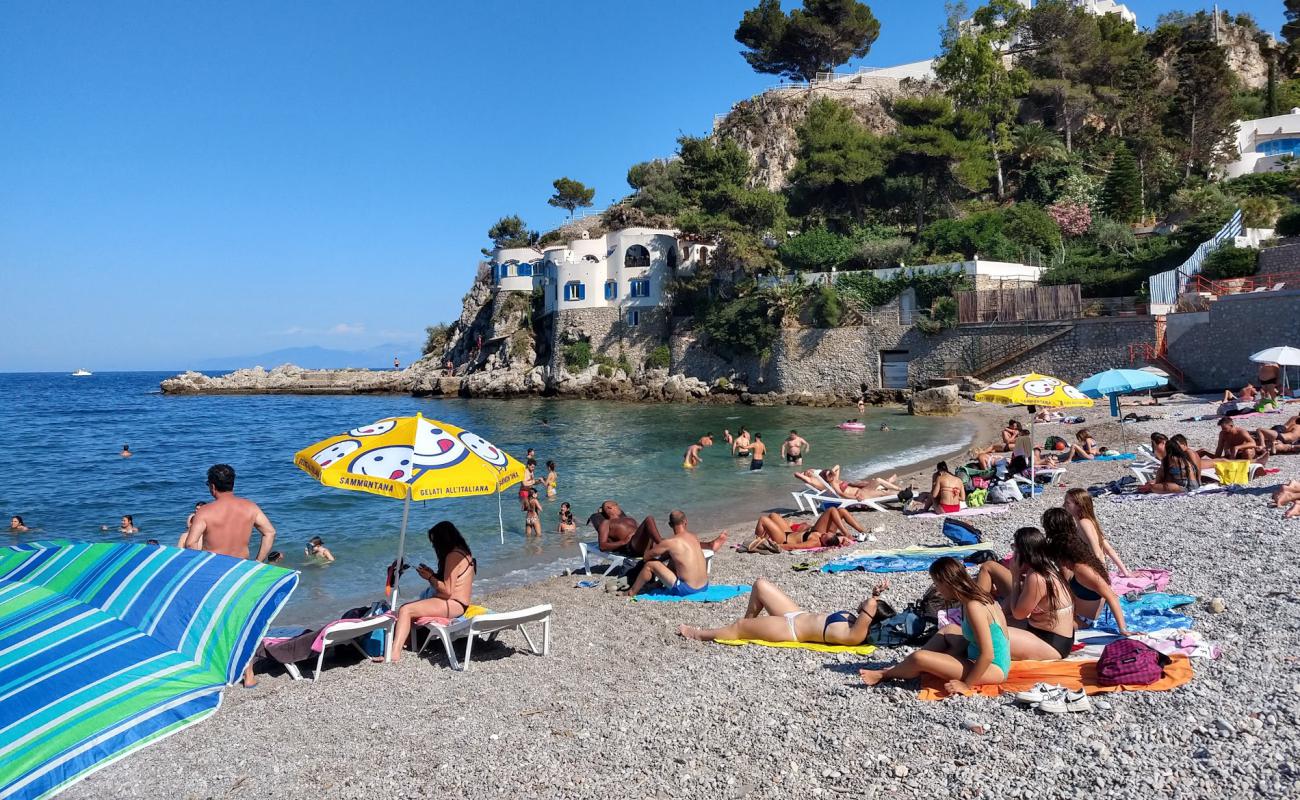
{"x": 1038, "y": 694}
{"x": 1064, "y": 700}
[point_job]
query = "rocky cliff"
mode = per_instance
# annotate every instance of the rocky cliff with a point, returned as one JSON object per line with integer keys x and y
{"x": 289, "y": 379}
{"x": 766, "y": 125}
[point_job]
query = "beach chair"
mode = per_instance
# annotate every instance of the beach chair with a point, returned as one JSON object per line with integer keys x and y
{"x": 344, "y": 631}
{"x": 817, "y": 502}
{"x": 1053, "y": 475}
{"x": 486, "y": 626}
{"x": 591, "y": 555}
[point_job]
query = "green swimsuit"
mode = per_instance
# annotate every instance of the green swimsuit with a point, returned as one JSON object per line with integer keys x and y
{"x": 1001, "y": 647}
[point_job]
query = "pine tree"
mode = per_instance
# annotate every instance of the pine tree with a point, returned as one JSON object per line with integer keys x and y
{"x": 570, "y": 195}
{"x": 1291, "y": 30}
{"x": 816, "y": 38}
{"x": 1121, "y": 195}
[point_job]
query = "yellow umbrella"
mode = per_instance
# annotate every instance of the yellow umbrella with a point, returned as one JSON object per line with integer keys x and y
{"x": 1033, "y": 389}
{"x": 411, "y": 458}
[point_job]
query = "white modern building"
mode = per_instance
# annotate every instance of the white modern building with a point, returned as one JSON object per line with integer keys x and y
{"x": 628, "y": 270}
{"x": 1267, "y": 144}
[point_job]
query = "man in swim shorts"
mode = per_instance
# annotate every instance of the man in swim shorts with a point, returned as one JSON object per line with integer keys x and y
{"x": 756, "y": 452}
{"x": 794, "y": 447}
{"x": 1268, "y": 379}
{"x": 686, "y": 571}
{"x": 692, "y": 458}
{"x": 740, "y": 446}
{"x": 1234, "y": 442}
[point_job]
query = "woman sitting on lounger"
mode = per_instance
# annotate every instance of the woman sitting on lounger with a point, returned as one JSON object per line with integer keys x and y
{"x": 451, "y": 583}
{"x": 1180, "y": 471}
{"x": 976, "y": 654}
{"x": 1088, "y": 579}
{"x": 786, "y": 622}
{"x": 1036, "y": 594}
{"x": 1078, "y": 503}
{"x": 830, "y": 530}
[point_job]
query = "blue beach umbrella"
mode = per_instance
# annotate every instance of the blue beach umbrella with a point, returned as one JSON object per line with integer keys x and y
{"x": 1114, "y": 382}
{"x": 107, "y": 648}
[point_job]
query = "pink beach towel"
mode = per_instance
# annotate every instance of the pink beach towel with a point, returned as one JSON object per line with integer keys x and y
{"x": 965, "y": 512}
{"x": 1142, "y": 580}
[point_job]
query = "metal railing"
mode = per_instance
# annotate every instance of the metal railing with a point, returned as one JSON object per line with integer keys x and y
{"x": 1165, "y": 287}
{"x": 1274, "y": 281}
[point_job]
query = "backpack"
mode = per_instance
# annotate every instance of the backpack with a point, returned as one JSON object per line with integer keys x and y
{"x": 906, "y": 627}
{"x": 961, "y": 532}
{"x": 1129, "y": 662}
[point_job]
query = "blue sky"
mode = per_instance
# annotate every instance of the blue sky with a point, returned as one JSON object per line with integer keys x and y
{"x": 190, "y": 180}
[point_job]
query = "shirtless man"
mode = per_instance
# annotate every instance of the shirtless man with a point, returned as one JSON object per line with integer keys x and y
{"x": 126, "y": 451}
{"x": 619, "y": 533}
{"x": 756, "y": 452}
{"x": 692, "y": 458}
{"x": 740, "y": 447}
{"x": 688, "y": 572}
{"x": 225, "y": 525}
{"x": 1246, "y": 395}
{"x": 1269, "y": 374}
{"x": 1284, "y": 438}
{"x": 706, "y": 440}
{"x": 727, "y": 437}
{"x": 1234, "y": 443}
{"x": 794, "y": 448}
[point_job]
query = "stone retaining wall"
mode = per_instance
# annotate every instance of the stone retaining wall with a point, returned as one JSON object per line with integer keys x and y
{"x": 1215, "y": 353}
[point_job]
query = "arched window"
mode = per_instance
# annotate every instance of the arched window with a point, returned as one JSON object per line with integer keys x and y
{"x": 637, "y": 256}
{"x": 591, "y": 259}
{"x": 672, "y": 257}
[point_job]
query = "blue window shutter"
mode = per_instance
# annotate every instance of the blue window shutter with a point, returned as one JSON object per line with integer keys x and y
{"x": 582, "y": 291}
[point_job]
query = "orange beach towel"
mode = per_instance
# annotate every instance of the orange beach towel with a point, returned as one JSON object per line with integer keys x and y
{"x": 1077, "y": 674}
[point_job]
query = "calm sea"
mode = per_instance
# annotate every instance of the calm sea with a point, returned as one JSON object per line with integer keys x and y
{"x": 64, "y": 475}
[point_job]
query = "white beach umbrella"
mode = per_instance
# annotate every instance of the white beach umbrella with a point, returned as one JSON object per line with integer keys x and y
{"x": 1283, "y": 356}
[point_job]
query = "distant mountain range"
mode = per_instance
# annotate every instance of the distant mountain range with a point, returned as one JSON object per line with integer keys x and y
{"x": 378, "y": 357}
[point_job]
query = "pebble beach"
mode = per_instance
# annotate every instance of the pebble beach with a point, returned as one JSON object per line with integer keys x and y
{"x": 624, "y": 707}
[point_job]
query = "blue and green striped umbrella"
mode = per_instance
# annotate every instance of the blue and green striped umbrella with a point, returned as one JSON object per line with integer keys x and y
{"x": 107, "y": 648}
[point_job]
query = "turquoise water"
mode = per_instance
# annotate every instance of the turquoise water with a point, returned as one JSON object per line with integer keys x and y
{"x": 65, "y": 477}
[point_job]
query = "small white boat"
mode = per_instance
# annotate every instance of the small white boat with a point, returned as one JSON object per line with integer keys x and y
{"x": 82, "y": 373}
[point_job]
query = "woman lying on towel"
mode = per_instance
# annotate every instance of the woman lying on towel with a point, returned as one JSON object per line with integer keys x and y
{"x": 1088, "y": 579}
{"x": 1036, "y": 595}
{"x": 451, "y": 584}
{"x": 976, "y": 654}
{"x": 786, "y": 622}
{"x": 830, "y": 530}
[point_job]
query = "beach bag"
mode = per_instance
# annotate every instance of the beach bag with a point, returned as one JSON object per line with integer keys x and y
{"x": 1129, "y": 662}
{"x": 979, "y": 483}
{"x": 1056, "y": 443}
{"x": 960, "y": 532}
{"x": 977, "y": 498}
{"x": 1233, "y": 473}
{"x": 906, "y": 627}
{"x": 1005, "y": 492}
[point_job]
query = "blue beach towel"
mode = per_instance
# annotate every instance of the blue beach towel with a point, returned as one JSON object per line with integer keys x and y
{"x": 1150, "y": 612}
{"x": 715, "y": 593}
{"x": 1114, "y": 457}
{"x": 918, "y": 561}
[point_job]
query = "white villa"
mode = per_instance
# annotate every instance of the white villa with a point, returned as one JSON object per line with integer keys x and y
{"x": 1262, "y": 144}
{"x": 627, "y": 270}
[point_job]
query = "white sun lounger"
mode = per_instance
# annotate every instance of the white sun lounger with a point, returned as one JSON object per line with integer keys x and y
{"x": 1054, "y": 474}
{"x": 487, "y": 626}
{"x": 592, "y": 554}
{"x": 812, "y": 501}
{"x": 344, "y": 631}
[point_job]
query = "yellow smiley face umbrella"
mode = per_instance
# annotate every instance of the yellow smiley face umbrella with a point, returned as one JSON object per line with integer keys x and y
{"x": 411, "y": 458}
{"x": 1033, "y": 389}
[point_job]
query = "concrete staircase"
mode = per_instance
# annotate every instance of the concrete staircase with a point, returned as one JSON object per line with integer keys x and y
{"x": 983, "y": 360}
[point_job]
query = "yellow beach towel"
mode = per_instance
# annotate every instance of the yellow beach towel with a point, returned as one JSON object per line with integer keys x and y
{"x": 855, "y": 649}
{"x": 1233, "y": 473}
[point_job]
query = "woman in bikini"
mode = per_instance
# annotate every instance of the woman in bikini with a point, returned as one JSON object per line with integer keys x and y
{"x": 567, "y": 523}
{"x": 786, "y": 622}
{"x": 830, "y": 530}
{"x": 868, "y": 489}
{"x": 1036, "y": 596}
{"x": 532, "y": 514}
{"x": 946, "y": 494}
{"x": 1085, "y": 574}
{"x": 1180, "y": 471}
{"x": 552, "y": 480}
{"x": 1085, "y": 448}
{"x": 1078, "y": 504}
{"x": 451, "y": 583}
{"x": 975, "y": 654}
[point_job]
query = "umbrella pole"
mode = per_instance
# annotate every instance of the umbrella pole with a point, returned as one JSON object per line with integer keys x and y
{"x": 397, "y": 570}
{"x": 1033, "y": 474}
{"x": 501, "y": 524}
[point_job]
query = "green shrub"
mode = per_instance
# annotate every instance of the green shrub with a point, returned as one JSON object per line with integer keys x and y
{"x": 944, "y": 311}
{"x": 1231, "y": 262}
{"x": 605, "y": 371}
{"x": 816, "y": 250}
{"x": 436, "y": 339}
{"x": 577, "y": 355}
{"x": 742, "y": 326}
{"x": 722, "y": 383}
{"x": 1289, "y": 223}
{"x": 826, "y": 310}
{"x": 659, "y": 358}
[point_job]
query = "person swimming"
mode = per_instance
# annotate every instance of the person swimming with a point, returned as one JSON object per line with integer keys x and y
{"x": 316, "y": 549}
{"x": 126, "y": 451}
{"x": 16, "y": 525}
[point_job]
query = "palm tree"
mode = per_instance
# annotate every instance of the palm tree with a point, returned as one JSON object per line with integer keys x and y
{"x": 1033, "y": 142}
